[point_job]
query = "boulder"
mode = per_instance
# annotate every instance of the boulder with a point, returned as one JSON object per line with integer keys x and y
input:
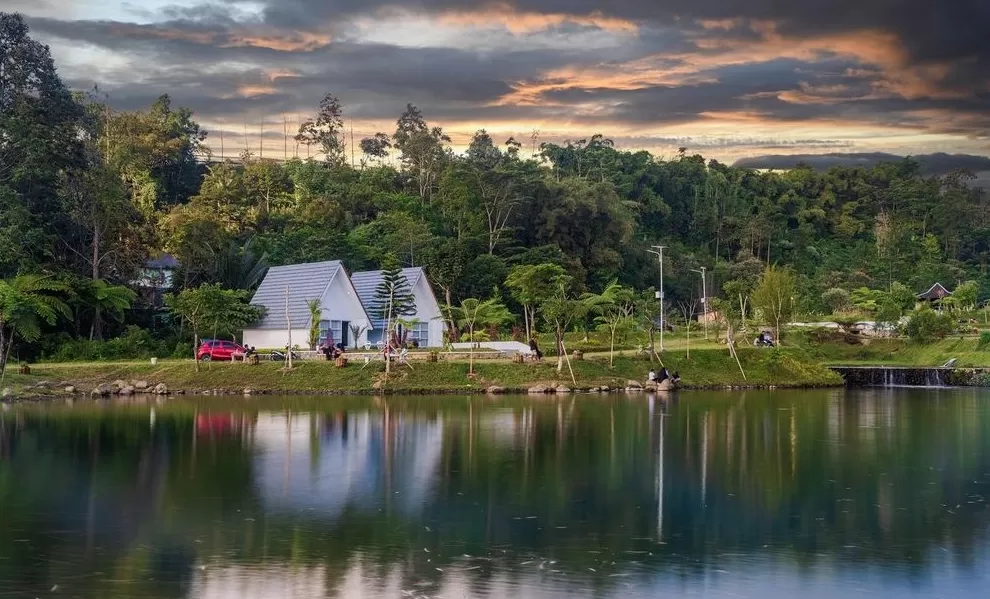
{"x": 103, "y": 390}
{"x": 43, "y": 385}
{"x": 70, "y": 388}
{"x": 140, "y": 385}
{"x": 161, "y": 389}
{"x": 248, "y": 391}
{"x": 563, "y": 389}
{"x": 128, "y": 390}
{"x": 7, "y": 392}
{"x": 495, "y": 390}
{"x": 651, "y": 386}
{"x": 604, "y": 389}
{"x": 119, "y": 384}
{"x": 634, "y": 385}
{"x": 538, "y": 390}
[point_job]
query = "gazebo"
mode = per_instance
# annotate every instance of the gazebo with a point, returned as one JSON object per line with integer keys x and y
{"x": 935, "y": 294}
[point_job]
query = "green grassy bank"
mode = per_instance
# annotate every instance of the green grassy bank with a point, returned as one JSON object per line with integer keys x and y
{"x": 708, "y": 368}
{"x": 892, "y": 352}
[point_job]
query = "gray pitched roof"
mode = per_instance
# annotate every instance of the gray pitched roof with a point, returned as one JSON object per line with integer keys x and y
{"x": 305, "y": 282}
{"x": 366, "y": 282}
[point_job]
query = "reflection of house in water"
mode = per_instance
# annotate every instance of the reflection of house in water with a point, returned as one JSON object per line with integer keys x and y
{"x": 230, "y": 582}
{"x": 326, "y": 463}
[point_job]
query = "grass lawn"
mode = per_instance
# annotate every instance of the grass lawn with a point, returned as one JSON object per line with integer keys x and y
{"x": 705, "y": 368}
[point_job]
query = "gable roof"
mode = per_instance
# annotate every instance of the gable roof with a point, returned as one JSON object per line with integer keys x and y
{"x": 366, "y": 282}
{"x": 305, "y": 282}
{"x": 935, "y": 292}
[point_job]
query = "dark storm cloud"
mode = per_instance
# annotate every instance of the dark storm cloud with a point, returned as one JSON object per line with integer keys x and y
{"x": 933, "y": 164}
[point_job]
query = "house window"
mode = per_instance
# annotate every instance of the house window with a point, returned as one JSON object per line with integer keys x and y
{"x": 331, "y": 329}
{"x": 421, "y": 333}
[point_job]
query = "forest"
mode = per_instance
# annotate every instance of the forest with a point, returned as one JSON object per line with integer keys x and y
{"x": 89, "y": 193}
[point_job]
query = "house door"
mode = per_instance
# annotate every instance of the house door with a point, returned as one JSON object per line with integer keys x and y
{"x": 345, "y": 334}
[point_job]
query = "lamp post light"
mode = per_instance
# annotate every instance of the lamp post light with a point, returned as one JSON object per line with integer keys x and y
{"x": 658, "y": 252}
{"x": 704, "y": 295}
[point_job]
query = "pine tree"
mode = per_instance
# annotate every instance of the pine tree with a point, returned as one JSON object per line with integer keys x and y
{"x": 394, "y": 298}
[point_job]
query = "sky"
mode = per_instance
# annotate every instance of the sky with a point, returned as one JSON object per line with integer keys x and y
{"x": 730, "y": 79}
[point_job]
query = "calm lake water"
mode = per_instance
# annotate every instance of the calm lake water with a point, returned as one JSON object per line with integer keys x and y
{"x": 784, "y": 494}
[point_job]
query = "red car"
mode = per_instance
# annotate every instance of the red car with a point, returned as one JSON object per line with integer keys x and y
{"x": 219, "y": 350}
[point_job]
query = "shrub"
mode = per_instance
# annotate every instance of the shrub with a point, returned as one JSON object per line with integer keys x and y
{"x": 135, "y": 344}
{"x": 984, "y": 341}
{"x": 837, "y": 299}
{"x": 926, "y": 325}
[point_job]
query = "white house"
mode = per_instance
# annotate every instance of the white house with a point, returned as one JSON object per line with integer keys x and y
{"x": 429, "y": 327}
{"x": 341, "y": 309}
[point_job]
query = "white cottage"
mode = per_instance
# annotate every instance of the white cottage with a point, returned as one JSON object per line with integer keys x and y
{"x": 341, "y": 309}
{"x": 429, "y": 327}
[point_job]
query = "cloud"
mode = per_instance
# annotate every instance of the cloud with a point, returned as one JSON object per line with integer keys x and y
{"x": 758, "y": 71}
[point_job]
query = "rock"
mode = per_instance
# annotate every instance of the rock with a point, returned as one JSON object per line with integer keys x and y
{"x": 103, "y": 390}
{"x": 7, "y": 392}
{"x": 634, "y": 385}
{"x": 161, "y": 389}
{"x": 43, "y": 385}
{"x": 603, "y": 389}
{"x": 128, "y": 390}
{"x": 119, "y": 384}
{"x": 594, "y": 390}
{"x": 634, "y": 389}
{"x": 538, "y": 390}
{"x": 495, "y": 390}
{"x": 651, "y": 386}
{"x": 140, "y": 385}
{"x": 248, "y": 391}
{"x": 563, "y": 389}
{"x": 376, "y": 385}
{"x": 70, "y": 388}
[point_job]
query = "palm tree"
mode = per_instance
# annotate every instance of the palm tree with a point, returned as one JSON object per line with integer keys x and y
{"x": 474, "y": 313}
{"x": 614, "y": 308}
{"x": 27, "y": 302}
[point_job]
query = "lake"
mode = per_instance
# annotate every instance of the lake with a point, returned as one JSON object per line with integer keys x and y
{"x": 867, "y": 493}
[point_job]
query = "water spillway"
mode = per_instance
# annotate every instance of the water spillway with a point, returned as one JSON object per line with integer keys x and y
{"x": 898, "y": 376}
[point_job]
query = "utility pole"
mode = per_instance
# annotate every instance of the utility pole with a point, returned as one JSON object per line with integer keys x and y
{"x": 704, "y": 295}
{"x": 658, "y": 252}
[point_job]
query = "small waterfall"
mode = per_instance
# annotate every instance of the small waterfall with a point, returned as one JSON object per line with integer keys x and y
{"x": 887, "y": 376}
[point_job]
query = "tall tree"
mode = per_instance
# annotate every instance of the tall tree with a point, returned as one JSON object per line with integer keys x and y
{"x": 394, "y": 299}
{"x": 326, "y": 131}
{"x": 212, "y": 308}
{"x": 774, "y": 297}
{"x": 473, "y": 314}
{"x": 531, "y": 285}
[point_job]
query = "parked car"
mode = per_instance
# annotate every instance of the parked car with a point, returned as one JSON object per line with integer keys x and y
{"x": 214, "y": 349}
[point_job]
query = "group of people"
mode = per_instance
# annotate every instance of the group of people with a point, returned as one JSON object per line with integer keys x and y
{"x": 660, "y": 377}
{"x": 332, "y": 350}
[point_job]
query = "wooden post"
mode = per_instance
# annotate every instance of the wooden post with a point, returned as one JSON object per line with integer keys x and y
{"x": 288, "y": 320}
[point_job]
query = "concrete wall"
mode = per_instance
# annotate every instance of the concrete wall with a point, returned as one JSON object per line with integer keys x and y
{"x": 274, "y": 338}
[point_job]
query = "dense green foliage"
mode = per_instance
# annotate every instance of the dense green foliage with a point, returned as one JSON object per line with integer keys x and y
{"x": 87, "y": 192}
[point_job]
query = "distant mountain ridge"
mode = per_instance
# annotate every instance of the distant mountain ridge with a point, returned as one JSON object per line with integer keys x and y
{"x": 938, "y": 163}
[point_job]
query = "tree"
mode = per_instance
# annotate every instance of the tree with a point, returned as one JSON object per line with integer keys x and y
{"x": 837, "y": 299}
{"x": 422, "y": 149}
{"x": 26, "y": 303}
{"x": 531, "y": 285}
{"x": 393, "y": 298}
{"x": 473, "y": 313}
{"x": 103, "y": 298}
{"x": 376, "y": 146}
{"x": 559, "y": 310}
{"x": 925, "y": 325}
{"x": 774, "y": 296}
{"x": 966, "y": 294}
{"x": 614, "y": 307}
{"x": 315, "y": 315}
{"x": 39, "y": 144}
{"x": 327, "y": 131}
{"x": 210, "y": 307}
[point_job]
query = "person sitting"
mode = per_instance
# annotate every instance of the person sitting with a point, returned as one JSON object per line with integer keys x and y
{"x": 664, "y": 375}
{"x": 535, "y": 349}
{"x": 652, "y": 377}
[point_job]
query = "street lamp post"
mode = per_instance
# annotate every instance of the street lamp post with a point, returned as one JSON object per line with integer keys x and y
{"x": 658, "y": 252}
{"x": 704, "y": 295}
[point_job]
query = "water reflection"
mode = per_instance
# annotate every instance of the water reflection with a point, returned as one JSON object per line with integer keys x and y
{"x": 769, "y": 494}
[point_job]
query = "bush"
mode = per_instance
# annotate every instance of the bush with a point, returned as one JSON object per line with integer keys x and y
{"x": 135, "y": 344}
{"x": 926, "y": 325}
{"x": 984, "y": 341}
{"x": 837, "y": 300}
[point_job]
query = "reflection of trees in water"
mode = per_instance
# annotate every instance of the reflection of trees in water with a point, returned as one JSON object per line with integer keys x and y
{"x": 512, "y": 481}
